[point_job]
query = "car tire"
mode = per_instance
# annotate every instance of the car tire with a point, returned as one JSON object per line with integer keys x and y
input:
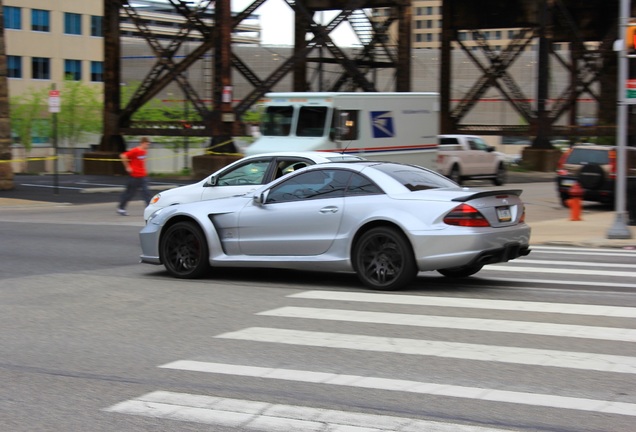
{"x": 383, "y": 259}
{"x": 564, "y": 197}
{"x": 455, "y": 175}
{"x": 460, "y": 272}
{"x": 591, "y": 176}
{"x": 500, "y": 175}
{"x": 184, "y": 251}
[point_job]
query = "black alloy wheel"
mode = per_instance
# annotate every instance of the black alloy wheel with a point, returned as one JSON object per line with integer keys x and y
{"x": 184, "y": 251}
{"x": 383, "y": 259}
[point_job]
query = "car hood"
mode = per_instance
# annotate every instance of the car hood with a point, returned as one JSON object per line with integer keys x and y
{"x": 200, "y": 209}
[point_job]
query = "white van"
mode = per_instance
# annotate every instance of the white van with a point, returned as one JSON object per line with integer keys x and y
{"x": 399, "y": 127}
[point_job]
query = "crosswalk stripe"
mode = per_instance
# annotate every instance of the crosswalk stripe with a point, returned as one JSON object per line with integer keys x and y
{"x": 519, "y": 268}
{"x": 409, "y": 386}
{"x": 565, "y": 282}
{"x": 456, "y": 350}
{"x": 261, "y": 416}
{"x": 576, "y": 263}
{"x": 471, "y": 303}
{"x": 586, "y": 251}
{"x": 477, "y": 324}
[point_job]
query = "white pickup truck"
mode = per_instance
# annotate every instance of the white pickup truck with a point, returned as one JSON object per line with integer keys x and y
{"x": 465, "y": 157}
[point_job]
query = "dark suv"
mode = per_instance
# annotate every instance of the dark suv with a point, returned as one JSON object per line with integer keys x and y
{"x": 594, "y": 168}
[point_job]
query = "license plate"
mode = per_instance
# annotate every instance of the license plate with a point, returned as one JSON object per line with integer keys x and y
{"x": 503, "y": 214}
{"x": 567, "y": 182}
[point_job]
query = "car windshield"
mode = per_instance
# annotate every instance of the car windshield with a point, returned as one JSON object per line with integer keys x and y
{"x": 415, "y": 178}
{"x": 587, "y": 156}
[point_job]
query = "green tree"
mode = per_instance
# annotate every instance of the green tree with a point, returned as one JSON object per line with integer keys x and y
{"x": 29, "y": 117}
{"x": 80, "y": 113}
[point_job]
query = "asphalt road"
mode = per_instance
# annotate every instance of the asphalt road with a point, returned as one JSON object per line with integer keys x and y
{"x": 94, "y": 341}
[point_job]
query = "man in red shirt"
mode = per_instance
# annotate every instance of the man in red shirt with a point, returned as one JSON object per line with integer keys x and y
{"x": 134, "y": 161}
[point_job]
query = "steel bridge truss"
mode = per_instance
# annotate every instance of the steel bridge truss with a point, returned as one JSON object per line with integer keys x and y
{"x": 221, "y": 118}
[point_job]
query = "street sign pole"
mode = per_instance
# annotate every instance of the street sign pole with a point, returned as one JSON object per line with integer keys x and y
{"x": 54, "y": 108}
{"x": 619, "y": 229}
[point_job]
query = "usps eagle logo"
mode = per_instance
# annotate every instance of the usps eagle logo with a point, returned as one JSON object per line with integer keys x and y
{"x": 382, "y": 124}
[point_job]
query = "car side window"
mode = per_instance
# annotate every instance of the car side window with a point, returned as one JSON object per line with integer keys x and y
{"x": 251, "y": 173}
{"x": 360, "y": 185}
{"x": 284, "y": 167}
{"x": 310, "y": 185}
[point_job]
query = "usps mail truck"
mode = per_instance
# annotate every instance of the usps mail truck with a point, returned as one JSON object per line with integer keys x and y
{"x": 399, "y": 127}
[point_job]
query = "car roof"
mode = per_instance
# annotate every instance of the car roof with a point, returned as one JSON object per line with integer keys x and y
{"x": 593, "y": 146}
{"x": 307, "y": 154}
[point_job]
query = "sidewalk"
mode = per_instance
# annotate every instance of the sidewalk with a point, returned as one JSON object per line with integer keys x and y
{"x": 591, "y": 231}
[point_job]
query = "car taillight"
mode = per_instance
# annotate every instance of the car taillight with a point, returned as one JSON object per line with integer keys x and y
{"x": 612, "y": 163}
{"x": 522, "y": 219}
{"x": 561, "y": 162}
{"x": 466, "y": 216}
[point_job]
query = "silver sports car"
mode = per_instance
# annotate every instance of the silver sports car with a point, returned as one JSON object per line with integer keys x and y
{"x": 384, "y": 221}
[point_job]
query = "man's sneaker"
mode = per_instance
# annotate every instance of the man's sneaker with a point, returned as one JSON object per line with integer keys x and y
{"x": 122, "y": 212}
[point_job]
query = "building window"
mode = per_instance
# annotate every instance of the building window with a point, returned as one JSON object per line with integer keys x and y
{"x": 12, "y": 17}
{"x": 97, "y": 71}
{"x": 72, "y": 23}
{"x": 40, "y": 20}
{"x": 96, "y": 26}
{"x": 41, "y": 68}
{"x": 14, "y": 66}
{"x": 73, "y": 70}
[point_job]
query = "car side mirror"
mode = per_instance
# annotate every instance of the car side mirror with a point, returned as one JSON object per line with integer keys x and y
{"x": 211, "y": 181}
{"x": 490, "y": 149}
{"x": 261, "y": 198}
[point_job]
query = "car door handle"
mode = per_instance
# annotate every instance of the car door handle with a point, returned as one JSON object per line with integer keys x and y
{"x": 329, "y": 209}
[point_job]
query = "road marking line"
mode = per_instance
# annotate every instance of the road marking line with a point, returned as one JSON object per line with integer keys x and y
{"x": 262, "y": 416}
{"x": 443, "y": 349}
{"x": 585, "y": 251}
{"x": 575, "y": 263}
{"x": 471, "y": 303}
{"x": 477, "y": 324}
{"x": 565, "y": 282}
{"x": 409, "y": 386}
{"x": 519, "y": 268}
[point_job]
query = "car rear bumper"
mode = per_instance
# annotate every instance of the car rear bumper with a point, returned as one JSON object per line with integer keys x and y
{"x": 605, "y": 193}
{"x": 465, "y": 246}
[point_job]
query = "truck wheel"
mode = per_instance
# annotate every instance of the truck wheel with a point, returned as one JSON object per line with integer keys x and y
{"x": 500, "y": 175}
{"x": 455, "y": 175}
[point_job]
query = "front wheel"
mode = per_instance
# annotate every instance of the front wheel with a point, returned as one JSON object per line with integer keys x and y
{"x": 383, "y": 259}
{"x": 460, "y": 272}
{"x": 184, "y": 251}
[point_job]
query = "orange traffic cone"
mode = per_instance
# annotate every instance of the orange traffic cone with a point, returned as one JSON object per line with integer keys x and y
{"x": 575, "y": 202}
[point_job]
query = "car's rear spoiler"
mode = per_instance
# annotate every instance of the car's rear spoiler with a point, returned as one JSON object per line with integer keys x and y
{"x": 483, "y": 194}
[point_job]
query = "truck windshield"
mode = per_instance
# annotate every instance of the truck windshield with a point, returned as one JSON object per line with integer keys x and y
{"x": 311, "y": 121}
{"x": 277, "y": 121}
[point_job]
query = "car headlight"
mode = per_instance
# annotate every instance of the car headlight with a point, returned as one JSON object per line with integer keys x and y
{"x": 154, "y": 215}
{"x": 155, "y": 199}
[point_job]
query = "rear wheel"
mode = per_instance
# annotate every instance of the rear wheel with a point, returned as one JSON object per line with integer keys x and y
{"x": 591, "y": 176}
{"x": 460, "y": 272}
{"x": 184, "y": 251}
{"x": 500, "y": 175}
{"x": 383, "y": 259}
{"x": 455, "y": 175}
